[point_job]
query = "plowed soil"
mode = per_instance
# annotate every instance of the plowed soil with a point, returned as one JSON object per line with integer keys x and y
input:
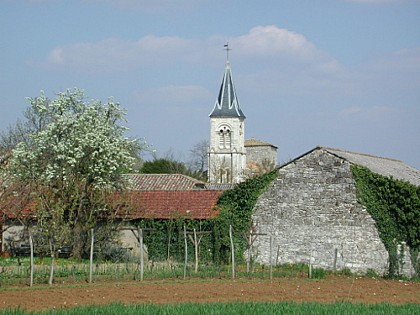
{"x": 337, "y": 289}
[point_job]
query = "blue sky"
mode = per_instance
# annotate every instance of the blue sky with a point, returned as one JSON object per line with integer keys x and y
{"x": 337, "y": 73}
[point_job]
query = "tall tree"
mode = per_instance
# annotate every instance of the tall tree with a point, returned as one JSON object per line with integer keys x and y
{"x": 74, "y": 162}
{"x": 21, "y": 130}
{"x": 199, "y": 156}
{"x": 164, "y": 166}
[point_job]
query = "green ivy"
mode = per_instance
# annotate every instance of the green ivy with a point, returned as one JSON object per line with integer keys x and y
{"x": 395, "y": 207}
{"x": 165, "y": 238}
{"x": 236, "y": 209}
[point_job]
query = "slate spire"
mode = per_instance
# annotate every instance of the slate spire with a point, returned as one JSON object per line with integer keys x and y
{"x": 227, "y": 103}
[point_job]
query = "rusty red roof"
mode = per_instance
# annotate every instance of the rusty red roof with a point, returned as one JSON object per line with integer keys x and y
{"x": 19, "y": 206}
{"x": 166, "y": 204}
{"x": 155, "y": 204}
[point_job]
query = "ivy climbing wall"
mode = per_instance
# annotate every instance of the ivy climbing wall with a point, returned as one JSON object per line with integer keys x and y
{"x": 312, "y": 214}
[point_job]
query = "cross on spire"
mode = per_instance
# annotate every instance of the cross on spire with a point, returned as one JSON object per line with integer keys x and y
{"x": 227, "y": 51}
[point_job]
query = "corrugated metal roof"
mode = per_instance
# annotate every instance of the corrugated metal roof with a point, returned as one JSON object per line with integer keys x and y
{"x": 163, "y": 182}
{"x": 161, "y": 204}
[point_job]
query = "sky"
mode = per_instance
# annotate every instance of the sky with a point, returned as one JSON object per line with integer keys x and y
{"x": 336, "y": 73}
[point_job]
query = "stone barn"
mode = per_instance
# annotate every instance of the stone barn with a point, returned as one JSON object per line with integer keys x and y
{"x": 311, "y": 213}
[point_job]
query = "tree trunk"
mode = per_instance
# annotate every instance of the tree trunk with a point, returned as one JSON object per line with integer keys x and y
{"x": 77, "y": 242}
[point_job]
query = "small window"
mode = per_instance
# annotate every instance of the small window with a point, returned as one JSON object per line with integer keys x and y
{"x": 224, "y": 138}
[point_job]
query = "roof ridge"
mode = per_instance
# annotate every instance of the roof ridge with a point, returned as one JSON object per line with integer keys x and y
{"x": 359, "y": 153}
{"x": 257, "y": 142}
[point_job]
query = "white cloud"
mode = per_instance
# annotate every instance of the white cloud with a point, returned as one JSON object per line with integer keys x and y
{"x": 271, "y": 40}
{"x": 272, "y": 43}
{"x": 274, "y": 57}
{"x": 115, "y": 54}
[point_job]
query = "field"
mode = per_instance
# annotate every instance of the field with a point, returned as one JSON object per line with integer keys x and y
{"x": 329, "y": 290}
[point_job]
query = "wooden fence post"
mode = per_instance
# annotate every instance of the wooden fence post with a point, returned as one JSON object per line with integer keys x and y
{"x": 92, "y": 242}
{"x": 277, "y": 255}
{"x": 271, "y": 257}
{"x": 186, "y": 252}
{"x": 335, "y": 259}
{"x": 140, "y": 232}
{"x": 248, "y": 261}
{"x": 232, "y": 248}
{"x": 196, "y": 250}
{"x": 52, "y": 255}
{"x": 31, "y": 246}
{"x": 196, "y": 240}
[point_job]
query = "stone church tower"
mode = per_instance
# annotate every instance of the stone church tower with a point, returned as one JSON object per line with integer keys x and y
{"x": 227, "y": 154}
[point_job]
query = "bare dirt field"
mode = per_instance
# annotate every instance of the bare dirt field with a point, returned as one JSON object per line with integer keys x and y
{"x": 334, "y": 289}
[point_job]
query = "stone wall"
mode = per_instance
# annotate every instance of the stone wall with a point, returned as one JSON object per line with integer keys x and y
{"x": 13, "y": 235}
{"x": 128, "y": 237}
{"x": 260, "y": 154}
{"x": 312, "y": 214}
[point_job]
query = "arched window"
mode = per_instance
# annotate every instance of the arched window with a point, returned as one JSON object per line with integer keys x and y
{"x": 224, "y": 137}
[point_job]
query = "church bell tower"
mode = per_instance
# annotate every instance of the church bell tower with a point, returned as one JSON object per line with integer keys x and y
{"x": 227, "y": 154}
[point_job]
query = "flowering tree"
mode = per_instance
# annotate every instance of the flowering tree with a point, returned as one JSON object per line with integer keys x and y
{"x": 74, "y": 163}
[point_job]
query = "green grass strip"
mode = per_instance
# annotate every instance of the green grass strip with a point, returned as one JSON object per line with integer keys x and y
{"x": 231, "y": 308}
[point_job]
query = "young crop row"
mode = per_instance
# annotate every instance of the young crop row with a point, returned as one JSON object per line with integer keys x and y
{"x": 69, "y": 273}
{"x": 232, "y": 308}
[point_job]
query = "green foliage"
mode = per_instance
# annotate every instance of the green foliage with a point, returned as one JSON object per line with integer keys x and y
{"x": 318, "y": 273}
{"x": 371, "y": 273}
{"x": 72, "y": 163}
{"x": 163, "y": 166}
{"x": 395, "y": 207}
{"x": 165, "y": 239}
{"x": 231, "y": 308}
{"x": 236, "y": 210}
{"x": 169, "y": 166}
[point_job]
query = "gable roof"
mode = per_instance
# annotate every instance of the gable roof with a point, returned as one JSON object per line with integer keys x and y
{"x": 384, "y": 166}
{"x": 166, "y": 204}
{"x": 380, "y": 165}
{"x": 227, "y": 103}
{"x": 163, "y": 182}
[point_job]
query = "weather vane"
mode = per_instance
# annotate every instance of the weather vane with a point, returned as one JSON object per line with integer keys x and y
{"x": 227, "y": 51}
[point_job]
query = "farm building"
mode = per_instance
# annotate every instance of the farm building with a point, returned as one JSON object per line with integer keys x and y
{"x": 164, "y": 197}
{"x": 312, "y": 215}
{"x": 150, "y": 196}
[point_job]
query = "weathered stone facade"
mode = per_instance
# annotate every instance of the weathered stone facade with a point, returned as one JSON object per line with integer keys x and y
{"x": 227, "y": 154}
{"x": 261, "y": 156}
{"x": 312, "y": 215}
